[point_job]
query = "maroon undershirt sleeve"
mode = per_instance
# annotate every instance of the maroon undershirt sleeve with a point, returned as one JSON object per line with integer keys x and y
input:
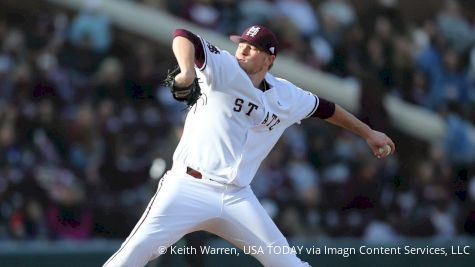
{"x": 196, "y": 41}
{"x": 325, "y": 109}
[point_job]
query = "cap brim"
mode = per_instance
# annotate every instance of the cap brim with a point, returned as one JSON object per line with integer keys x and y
{"x": 235, "y": 39}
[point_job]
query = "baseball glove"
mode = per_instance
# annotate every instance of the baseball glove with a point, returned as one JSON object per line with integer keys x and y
{"x": 188, "y": 94}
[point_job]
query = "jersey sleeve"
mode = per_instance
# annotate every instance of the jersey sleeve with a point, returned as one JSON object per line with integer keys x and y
{"x": 219, "y": 66}
{"x": 306, "y": 104}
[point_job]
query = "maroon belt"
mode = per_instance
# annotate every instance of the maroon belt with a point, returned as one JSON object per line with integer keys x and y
{"x": 194, "y": 173}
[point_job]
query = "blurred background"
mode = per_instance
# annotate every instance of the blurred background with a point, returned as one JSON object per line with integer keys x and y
{"x": 84, "y": 114}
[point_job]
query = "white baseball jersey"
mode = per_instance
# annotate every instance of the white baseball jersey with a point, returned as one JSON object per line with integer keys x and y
{"x": 234, "y": 125}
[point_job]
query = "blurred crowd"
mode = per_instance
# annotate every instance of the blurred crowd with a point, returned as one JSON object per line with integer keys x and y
{"x": 83, "y": 114}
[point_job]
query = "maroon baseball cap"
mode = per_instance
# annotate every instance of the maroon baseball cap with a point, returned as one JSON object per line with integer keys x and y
{"x": 259, "y": 36}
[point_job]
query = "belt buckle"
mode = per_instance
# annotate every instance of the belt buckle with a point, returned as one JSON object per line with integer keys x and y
{"x": 194, "y": 173}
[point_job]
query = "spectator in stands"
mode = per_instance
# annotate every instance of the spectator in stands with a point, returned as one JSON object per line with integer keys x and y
{"x": 92, "y": 25}
{"x": 301, "y": 14}
{"x": 454, "y": 26}
{"x": 336, "y": 16}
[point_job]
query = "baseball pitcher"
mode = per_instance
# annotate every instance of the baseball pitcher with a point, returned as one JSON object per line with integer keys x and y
{"x": 237, "y": 113}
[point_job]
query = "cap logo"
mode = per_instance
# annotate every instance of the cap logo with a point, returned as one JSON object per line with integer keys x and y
{"x": 253, "y": 31}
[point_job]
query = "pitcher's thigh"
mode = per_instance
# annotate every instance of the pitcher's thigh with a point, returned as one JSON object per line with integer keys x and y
{"x": 247, "y": 225}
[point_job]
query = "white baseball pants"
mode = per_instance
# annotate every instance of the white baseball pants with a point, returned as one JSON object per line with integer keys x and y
{"x": 184, "y": 204}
